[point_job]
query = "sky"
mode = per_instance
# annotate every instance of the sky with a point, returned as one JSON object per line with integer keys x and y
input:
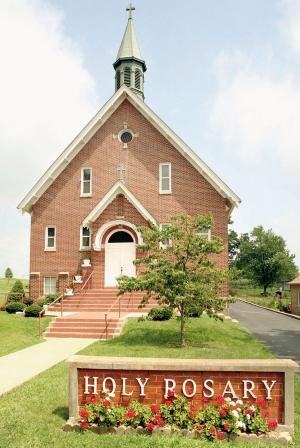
{"x": 223, "y": 74}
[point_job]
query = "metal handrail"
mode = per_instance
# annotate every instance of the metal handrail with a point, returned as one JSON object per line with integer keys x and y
{"x": 5, "y": 294}
{"x": 87, "y": 280}
{"x": 109, "y": 310}
{"x": 59, "y": 298}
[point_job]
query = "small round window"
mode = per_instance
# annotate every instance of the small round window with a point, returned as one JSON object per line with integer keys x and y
{"x": 126, "y": 137}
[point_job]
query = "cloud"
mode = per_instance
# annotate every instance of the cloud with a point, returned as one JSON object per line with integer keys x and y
{"x": 47, "y": 95}
{"x": 289, "y": 26}
{"x": 255, "y": 113}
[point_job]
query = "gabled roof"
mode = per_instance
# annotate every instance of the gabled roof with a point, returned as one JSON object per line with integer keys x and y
{"x": 95, "y": 124}
{"x": 296, "y": 281}
{"x": 118, "y": 188}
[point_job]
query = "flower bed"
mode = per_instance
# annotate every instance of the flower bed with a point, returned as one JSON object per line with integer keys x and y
{"x": 221, "y": 420}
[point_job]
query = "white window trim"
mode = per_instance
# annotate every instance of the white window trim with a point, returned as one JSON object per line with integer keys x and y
{"x": 47, "y": 248}
{"x": 81, "y": 239}
{"x": 82, "y": 194}
{"x": 208, "y": 233}
{"x": 162, "y": 245}
{"x": 298, "y": 299}
{"x": 46, "y": 293}
{"x": 161, "y": 191}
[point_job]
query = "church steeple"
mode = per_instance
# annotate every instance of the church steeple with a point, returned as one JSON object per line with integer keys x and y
{"x": 130, "y": 66}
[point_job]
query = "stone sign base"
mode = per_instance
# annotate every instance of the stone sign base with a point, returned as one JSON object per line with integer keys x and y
{"x": 279, "y": 437}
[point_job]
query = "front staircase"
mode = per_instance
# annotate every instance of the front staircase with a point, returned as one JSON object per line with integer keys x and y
{"x": 96, "y": 314}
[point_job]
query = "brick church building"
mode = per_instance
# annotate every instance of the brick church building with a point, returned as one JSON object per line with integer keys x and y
{"x": 124, "y": 169}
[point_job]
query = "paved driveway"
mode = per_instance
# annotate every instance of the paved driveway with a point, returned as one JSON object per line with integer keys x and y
{"x": 279, "y": 333}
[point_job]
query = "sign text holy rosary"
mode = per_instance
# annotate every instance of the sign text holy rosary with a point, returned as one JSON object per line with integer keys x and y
{"x": 189, "y": 387}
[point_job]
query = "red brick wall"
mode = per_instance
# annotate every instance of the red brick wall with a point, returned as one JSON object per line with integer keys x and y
{"x": 62, "y": 205}
{"x": 154, "y": 389}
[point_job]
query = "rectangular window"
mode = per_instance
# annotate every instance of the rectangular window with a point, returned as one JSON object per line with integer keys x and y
{"x": 298, "y": 299}
{"x": 165, "y": 178}
{"x": 49, "y": 285}
{"x": 166, "y": 242}
{"x": 85, "y": 240}
{"x": 206, "y": 233}
{"x": 86, "y": 182}
{"x": 50, "y": 238}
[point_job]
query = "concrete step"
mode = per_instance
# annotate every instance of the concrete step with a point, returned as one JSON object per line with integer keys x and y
{"x": 58, "y": 334}
{"x": 94, "y": 325}
{"x": 81, "y": 330}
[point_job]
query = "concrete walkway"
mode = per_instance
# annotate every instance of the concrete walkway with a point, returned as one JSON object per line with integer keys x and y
{"x": 21, "y": 366}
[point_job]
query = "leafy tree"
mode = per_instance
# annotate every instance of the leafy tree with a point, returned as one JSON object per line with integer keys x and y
{"x": 8, "y": 274}
{"x": 177, "y": 269}
{"x": 16, "y": 292}
{"x": 233, "y": 247}
{"x": 264, "y": 258}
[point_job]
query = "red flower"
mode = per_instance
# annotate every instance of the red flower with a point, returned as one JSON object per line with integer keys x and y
{"x": 150, "y": 426}
{"x": 84, "y": 425}
{"x": 226, "y": 426}
{"x": 220, "y": 436}
{"x": 261, "y": 403}
{"x": 213, "y": 430}
{"x": 266, "y": 413}
{"x": 193, "y": 408}
{"x": 94, "y": 400}
{"x": 272, "y": 424}
{"x": 249, "y": 412}
{"x": 171, "y": 393}
{"x": 154, "y": 408}
{"x": 204, "y": 399}
{"x": 251, "y": 403}
{"x": 84, "y": 413}
{"x": 131, "y": 413}
{"x": 220, "y": 400}
{"x": 223, "y": 413}
{"x": 158, "y": 421}
{"x": 106, "y": 403}
{"x": 168, "y": 403}
{"x": 191, "y": 414}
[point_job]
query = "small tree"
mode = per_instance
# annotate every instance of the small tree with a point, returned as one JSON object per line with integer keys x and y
{"x": 16, "y": 292}
{"x": 264, "y": 258}
{"x": 177, "y": 269}
{"x": 8, "y": 274}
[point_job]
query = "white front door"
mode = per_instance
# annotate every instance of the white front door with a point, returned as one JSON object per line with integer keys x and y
{"x": 119, "y": 260}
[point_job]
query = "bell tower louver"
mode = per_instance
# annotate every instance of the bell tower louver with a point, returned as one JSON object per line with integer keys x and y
{"x": 130, "y": 66}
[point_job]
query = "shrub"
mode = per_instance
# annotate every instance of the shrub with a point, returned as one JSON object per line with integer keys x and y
{"x": 3, "y": 306}
{"x": 40, "y": 301}
{"x": 27, "y": 301}
{"x": 160, "y": 313}
{"x": 13, "y": 307}
{"x": 33, "y": 311}
{"x": 49, "y": 298}
{"x": 16, "y": 292}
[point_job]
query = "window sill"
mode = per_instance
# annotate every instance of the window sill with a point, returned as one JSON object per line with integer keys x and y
{"x": 84, "y": 249}
{"x": 49, "y": 249}
{"x": 165, "y": 192}
{"x": 88, "y": 195}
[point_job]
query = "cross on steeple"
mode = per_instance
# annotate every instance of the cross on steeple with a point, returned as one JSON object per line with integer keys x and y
{"x": 121, "y": 171}
{"x": 130, "y": 9}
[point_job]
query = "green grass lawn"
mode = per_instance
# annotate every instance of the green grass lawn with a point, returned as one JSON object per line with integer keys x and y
{"x": 33, "y": 414}
{"x": 17, "y": 332}
{"x": 6, "y": 286}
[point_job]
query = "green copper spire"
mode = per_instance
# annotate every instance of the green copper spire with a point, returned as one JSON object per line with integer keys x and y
{"x": 130, "y": 66}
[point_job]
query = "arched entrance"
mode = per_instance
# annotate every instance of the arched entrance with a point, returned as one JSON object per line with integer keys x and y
{"x": 120, "y": 252}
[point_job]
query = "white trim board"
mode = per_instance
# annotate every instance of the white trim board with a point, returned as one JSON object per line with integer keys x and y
{"x": 118, "y": 188}
{"x": 95, "y": 124}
